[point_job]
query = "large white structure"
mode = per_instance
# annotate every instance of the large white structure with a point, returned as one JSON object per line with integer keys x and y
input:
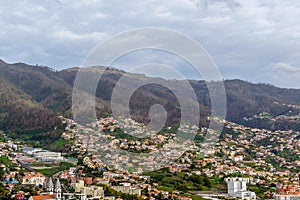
{"x": 237, "y": 188}
{"x": 48, "y": 156}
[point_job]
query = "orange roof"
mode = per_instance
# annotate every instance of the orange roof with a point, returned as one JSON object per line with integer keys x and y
{"x": 43, "y": 197}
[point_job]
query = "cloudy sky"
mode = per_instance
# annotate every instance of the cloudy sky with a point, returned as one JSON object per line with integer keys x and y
{"x": 254, "y": 40}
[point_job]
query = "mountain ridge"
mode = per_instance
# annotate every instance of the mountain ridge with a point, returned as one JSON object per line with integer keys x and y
{"x": 52, "y": 90}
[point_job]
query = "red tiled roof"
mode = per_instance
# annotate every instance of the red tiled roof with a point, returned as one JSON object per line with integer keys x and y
{"x": 43, "y": 197}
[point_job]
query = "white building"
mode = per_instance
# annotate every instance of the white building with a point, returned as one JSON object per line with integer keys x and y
{"x": 48, "y": 156}
{"x": 83, "y": 191}
{"x": 237, "y": 188}
{"x": 287, "y": 197}
{"x": 128, "y": 189}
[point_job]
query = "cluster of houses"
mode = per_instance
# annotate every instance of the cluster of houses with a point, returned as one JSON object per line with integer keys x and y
{"x": 243, "y": 150}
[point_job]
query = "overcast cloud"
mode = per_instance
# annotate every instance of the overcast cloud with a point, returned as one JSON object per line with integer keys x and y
{"x": 254, "y": 40}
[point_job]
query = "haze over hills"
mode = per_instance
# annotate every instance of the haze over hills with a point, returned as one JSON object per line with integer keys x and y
{"x": 33, "y": 96}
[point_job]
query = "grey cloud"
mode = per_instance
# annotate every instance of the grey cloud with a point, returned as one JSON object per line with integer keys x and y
{"x": 284, "y": 67}
{"x": 243, "y": 37}
{"x": 232, "y": 4}
{"x": 284, "y": 74}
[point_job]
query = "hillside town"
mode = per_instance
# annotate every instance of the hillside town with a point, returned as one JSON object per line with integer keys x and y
{"x": 246, "y": 163}
{"x": 150, "y": 100}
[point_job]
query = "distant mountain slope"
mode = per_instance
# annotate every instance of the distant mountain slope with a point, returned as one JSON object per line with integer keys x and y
{"x": 18, "y": 112}
{"x": 141, "y": 100}
{"x": 53, "y": 90}
{"x": 244, "y": 99}
{"x": 41, "y": 83}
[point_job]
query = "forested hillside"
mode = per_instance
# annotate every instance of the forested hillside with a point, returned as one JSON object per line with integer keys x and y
{"x": 29, "y": 91}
